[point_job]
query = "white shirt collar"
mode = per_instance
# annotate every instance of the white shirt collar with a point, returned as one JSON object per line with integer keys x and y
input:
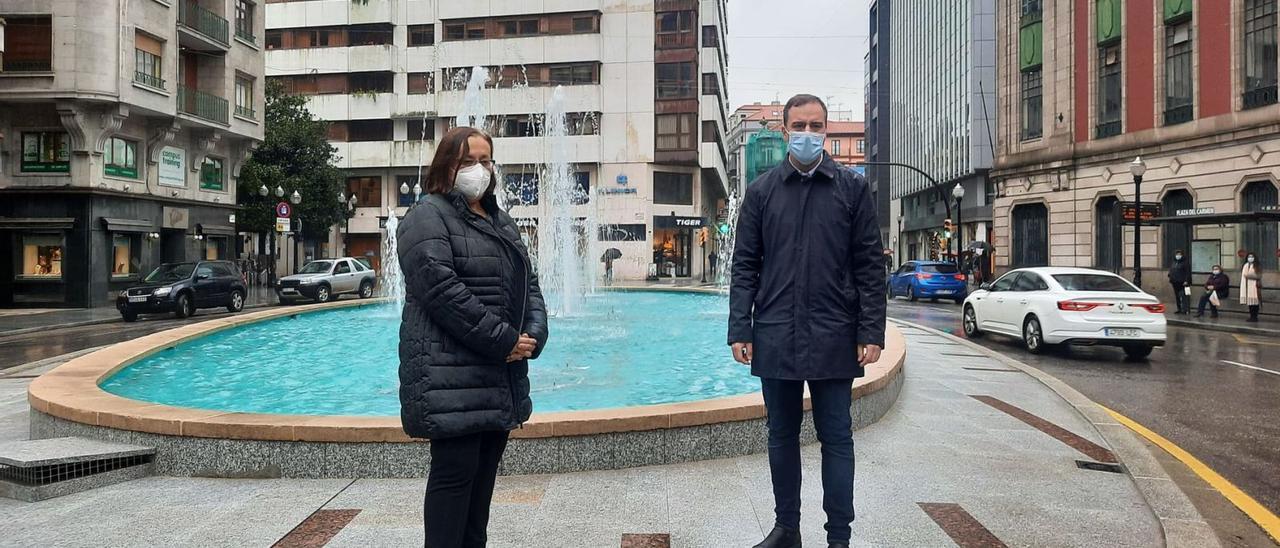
{"x": 804, "y": 173}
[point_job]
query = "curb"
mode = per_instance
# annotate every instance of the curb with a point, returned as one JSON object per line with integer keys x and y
{"x": 1240, "y": 329}
{"x": 100, "y": 321}
{"x": 1165, "y": 499}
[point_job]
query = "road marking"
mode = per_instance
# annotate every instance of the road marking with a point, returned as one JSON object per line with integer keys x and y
{"x": 1071, "y": 439}
{"x": 1247, "y": 366}
{"x": 1244, "y": 340}
{"x": 1256, "y": 512}
{"x": 965, "y": 530}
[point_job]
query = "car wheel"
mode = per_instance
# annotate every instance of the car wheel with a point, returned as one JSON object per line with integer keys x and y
{"x": 911, "y": 293}
{"x": 237, "y": 302}
{"x": 184, "y": 307}
{"x": 1138, "y": 351}
{"x": 1033, "y": 335}
{"x": 366, "y": 290}
{"x": 322, "y": 294}
{"x": 971, "y": 323}
{"x": 129, "y": 317}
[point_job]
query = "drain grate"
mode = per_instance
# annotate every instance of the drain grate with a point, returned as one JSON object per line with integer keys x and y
{"x": 35, "y": 476}
{"x": 1100, "y": 466}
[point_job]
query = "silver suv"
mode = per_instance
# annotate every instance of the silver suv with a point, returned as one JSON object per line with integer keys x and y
{"x": 323, "y": 280}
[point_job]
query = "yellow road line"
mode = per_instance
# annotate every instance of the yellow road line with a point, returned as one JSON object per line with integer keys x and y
{"x": 1251, "y": 341}
{"x": 1256, "y": 511}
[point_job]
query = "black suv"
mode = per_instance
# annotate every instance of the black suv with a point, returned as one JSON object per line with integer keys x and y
{"x": 181, "y": 288}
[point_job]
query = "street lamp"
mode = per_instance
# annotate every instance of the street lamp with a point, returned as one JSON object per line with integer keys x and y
{"x": 417, "y": 191}
{"x": 901, "y": 254}
{"x": 958, "y": 193}
{"x": 279, "y": 192}
{"x": 262, "y": 191}
{"x": 1137, "y": 167}
{"x": 350, "y": 205}
{"x": 295, "y": 198}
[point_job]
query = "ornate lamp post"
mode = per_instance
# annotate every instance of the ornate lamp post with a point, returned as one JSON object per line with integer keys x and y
{"x": 348, "y": 203}
{"x": 958, "y": 193}
{"x": 1137, "y": 167}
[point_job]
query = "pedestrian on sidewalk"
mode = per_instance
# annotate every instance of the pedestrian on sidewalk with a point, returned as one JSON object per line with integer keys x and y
{"x": 473, "y": 317}
{"x": 1180, "y": 278}
{"x": 1251, "y": 286}
{"x": 807, "y": 305}
{"x": 1216, "y": 288}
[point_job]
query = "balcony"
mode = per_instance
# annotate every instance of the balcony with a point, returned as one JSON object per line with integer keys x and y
{"x": 1108, "y": 129}
{"x": 676, "y": 40}
{"x": 1260, "y": 97}
{"x": 148, "y": 80}
{"x": 209, "y": 29}
{"x": 205, "y": 106}
{"x": 246, "y": 112}
{"x": 1178, "y": 115}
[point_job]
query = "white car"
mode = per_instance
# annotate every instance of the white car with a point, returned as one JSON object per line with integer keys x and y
{"x": 1077, "y": 306}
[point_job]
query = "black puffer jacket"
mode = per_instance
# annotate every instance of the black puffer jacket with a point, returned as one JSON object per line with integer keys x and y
{"x": 469, "y": 293}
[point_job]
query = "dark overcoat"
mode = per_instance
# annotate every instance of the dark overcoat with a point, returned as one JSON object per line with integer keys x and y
{"x": 470, "y": 292}
{"x": 808, "y": 275}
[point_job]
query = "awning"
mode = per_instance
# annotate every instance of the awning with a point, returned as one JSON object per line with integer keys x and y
{"x": 30, "y": 223}
{"x": 128, "y": 225}
{"x": 1220, "y": 218}
{"x": 215, "y": 229}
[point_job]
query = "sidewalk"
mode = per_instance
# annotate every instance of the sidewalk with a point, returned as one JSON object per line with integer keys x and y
{"x": 976, "y": 452}
{"x": 1230, "y": 322}
{"x": 18, "y": 321}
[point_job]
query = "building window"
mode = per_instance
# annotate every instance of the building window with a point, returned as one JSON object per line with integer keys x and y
{"x": 370, "y": 82}
{"x": 361, "y": 131}
{"x": 148, "y": 56}
{"x": 275, "y": 39}
{"x": 1032, "y": 104}
{"x": 862, "y": 146}
{"x": 1108, "y": 240}
{"x": 710, "y": 37}
{"x": 1178, "y": 80}
{"x": 1259, "y": 53}
{"x": 583, "y": 25}
{"x": 370, "y": 35}
{"x": 120, "y": 158}
{"x": 710, "y": 84}
{"x": 519, "y": 125}
{"x": 835, "y": 147}
{"x": 676, "y": 29}
{"x": 45, "y": 152}
{"x": 1261, "y": 238}
{"x": 1109, "y": 91}
{"x": 674, "y": 80}
{"x": 674, "y": 131}
{"x": 523, "y": 187}
{"x": 215, "y": 249}
{"x": 672, "y": 188}
{"x": 28, "y": 43}
{"x": 126, "y": 255}
{"x": 244, "y": 98}
{"x": 624, "y": 233}
{"x": 473, "y": 30}
{"x": 710, "y": 132}
{"x": 577, "y": 74}
{"x": 367, "y": 190}
{"x": 422, "y": 82}
{"x": 422, "y": 35}
{"x": 211, "y": 175}
{"x": 41, "y": 257}
{"x": 244, "y": 20}
{"x": 1175, "y": 236}
{"x": 421, "y": 130}
{"x": 581, "y": 188}
{"x": 519, "y": 27}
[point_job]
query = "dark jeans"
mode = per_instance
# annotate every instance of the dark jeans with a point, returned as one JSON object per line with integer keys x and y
{"x": 1204, "y": 301}
{"x": 1180, "y": 297}
{"x": 459, "y": 489}
{"x": 784, "y": 403}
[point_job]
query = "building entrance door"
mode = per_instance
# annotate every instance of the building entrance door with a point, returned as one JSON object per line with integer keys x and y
{"x": 173, "y": 246}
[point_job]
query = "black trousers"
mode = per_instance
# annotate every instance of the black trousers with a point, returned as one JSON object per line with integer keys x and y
{"x": 460, "y": 488}
{"x": 1180, "y": 297}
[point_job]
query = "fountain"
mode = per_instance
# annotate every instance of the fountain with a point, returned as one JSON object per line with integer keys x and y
{"x": 727, "y": 239}
{"x": 566, "y": 256}
{"x": 392, "y": 280}
{"x": 475, "y": 108}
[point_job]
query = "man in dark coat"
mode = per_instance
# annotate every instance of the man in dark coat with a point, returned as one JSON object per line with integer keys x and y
{"x": 807, "y": 305}
{"x": 1180, "y": 279}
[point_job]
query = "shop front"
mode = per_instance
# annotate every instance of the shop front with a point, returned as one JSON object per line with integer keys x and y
{"x": 674, "y": 252}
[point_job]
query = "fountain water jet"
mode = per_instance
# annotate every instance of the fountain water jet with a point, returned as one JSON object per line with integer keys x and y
{"x": 566, "y": 256}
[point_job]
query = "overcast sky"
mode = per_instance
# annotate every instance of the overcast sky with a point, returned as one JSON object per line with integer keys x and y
{"x": 780, "y": 48}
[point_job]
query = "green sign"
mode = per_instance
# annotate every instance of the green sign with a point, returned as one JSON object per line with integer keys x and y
{"x": 211, "y": 174}
{"x": 1176, "y": 10}
{"x": 1031, "y": 46}
{"x": 1108, "y": 27}
{"x": 122, "y": 171}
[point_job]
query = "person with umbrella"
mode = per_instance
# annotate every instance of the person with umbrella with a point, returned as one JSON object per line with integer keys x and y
{"x": 609, "y": 256}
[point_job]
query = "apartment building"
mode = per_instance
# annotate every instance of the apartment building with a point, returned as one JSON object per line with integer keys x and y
{"x": 123, "y": 126}
{"x": 642, "y": 88}
{"x": 1087, "y": 88}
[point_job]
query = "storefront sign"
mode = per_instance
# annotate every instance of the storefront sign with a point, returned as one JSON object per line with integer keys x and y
{"x": 679, "y": 222}
{"x": 622, "y": 180}
{"x": 625, "y": 190}
{"x": 282, "y": 224}
{"x": 176, "y": 217}
{"x": 172, "y": 168}
{"x": 1195, "y": 211}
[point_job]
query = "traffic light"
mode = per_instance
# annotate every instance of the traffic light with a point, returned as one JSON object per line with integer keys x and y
{"x": 702, "y": 236}
{"x": 724, "y": 228}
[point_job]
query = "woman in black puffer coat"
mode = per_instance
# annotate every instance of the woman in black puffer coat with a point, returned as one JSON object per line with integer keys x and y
{"x": 473, "y": 317}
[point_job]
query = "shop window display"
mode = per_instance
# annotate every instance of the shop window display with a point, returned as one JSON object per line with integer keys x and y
{"x": 42, "y": 256}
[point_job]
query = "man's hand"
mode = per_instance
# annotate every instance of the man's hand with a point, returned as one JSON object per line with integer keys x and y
{"x": 868, "y": 354}
{"x": 743, "y": 353}
{"x": 524, "y": 348}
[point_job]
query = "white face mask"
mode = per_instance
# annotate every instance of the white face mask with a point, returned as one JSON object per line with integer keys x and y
{"x": 1216, "y": 272}
{"x": 1250, "y": 259}
{"x": 473, "y": 181}
{"x": 1178, "y": 257}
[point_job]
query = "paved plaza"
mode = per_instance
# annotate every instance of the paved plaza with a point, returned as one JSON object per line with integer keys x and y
{"x": 943, "y": 468}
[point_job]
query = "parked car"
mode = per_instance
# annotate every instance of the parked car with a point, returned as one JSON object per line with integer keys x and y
{"x": 1075, "y": 306}
{"x": 323, "y": 280}
{"x": 928, "y": 280}
{"x": 182, "y": 288}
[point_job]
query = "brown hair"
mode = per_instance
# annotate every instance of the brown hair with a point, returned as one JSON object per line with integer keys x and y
{"x": 799, "y": 101}
{"x": 453, "y": 148}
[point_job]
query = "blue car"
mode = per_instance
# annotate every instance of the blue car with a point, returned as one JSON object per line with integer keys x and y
{"x": 933, "y": 280}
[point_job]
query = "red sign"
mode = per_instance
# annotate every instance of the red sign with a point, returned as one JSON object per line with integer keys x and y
{"x": 283, "y": 209}
{"x": 1242, "y": 253}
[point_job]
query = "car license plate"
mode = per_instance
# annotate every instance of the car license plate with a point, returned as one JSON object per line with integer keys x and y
{"x": 289, "y": 291}
{"x": 943, "y": 292}
{"x": 1114, "y": 332}
{"x": 137, "y": 298}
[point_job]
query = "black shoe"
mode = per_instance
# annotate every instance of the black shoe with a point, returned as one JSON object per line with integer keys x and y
{"x": 837, "y": 545}
{"x": 1252, "y": 320}
{"x": 1214, "y": 316}
{"x": 780, "y": 538}
{"x": 1200, "y": 314}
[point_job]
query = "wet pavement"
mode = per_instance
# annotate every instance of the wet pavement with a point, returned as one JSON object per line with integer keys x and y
{"x": 1215, "y": 394}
